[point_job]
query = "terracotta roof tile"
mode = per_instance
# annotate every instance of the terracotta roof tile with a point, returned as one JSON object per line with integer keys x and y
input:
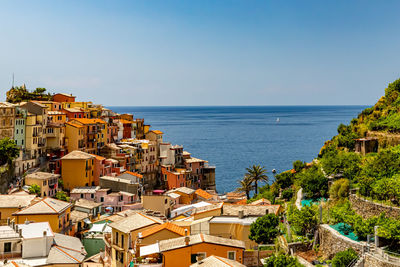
{"x": 168, "y": 226}
{"x": 203, "y": 194}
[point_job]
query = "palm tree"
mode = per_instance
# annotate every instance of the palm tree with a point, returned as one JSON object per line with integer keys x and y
{"x": 246, "y": 185}
{"x": 257, "y": 173}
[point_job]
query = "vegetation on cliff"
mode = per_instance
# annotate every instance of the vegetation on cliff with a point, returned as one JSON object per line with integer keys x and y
{"x": 19, "y": 94}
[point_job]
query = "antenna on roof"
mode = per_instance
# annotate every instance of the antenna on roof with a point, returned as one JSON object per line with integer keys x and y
{"x": 13, "y": 81}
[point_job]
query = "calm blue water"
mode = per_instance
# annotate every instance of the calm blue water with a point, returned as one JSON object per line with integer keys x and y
{"x": 233, "y": 138}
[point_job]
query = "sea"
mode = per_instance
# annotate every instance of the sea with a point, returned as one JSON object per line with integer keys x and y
{"x": 235, "y": 137}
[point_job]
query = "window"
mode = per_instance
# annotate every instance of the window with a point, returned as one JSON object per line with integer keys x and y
{"x": 101, "y": 199}
{"x": 81, "y": 195}
{"x": 122, "y": 241}
{"x": 232, "y": 255}
{"x": 92, "y": 195}
{"x": 7, "y": 247}
{"x": 116, "y": 238}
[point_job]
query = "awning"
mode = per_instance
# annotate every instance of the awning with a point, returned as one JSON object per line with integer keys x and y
{"x": 150, "y": 249}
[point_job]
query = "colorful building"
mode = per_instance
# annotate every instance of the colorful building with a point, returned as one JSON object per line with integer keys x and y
{"x": 7, "y": 121}
{"x": 74, "y": 136}
{"x": 51, "y": 210}
{"x": 48, "y": 182}
{"x": 63, "y": 97}
{"x": 77, "y": 170}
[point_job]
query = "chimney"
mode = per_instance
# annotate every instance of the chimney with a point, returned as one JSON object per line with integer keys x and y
{"x": 44, "y": 233}
{"x": 241, "y": 214}
{"x": 20, "y": 232}
{"x": 13, "y": 225}
{"x": 186, "y": 232}
{"x": 8, "y": 221}
{"x": 187, "y": 240}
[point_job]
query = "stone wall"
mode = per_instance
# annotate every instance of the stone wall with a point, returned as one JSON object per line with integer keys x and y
{"x": 332, "y": 242}
{"x": 367, "y": 208}
{"x": 252, "y": 257}
{"x": 373, "y": 261}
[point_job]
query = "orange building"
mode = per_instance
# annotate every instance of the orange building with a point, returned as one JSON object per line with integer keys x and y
{"x": 183, "y": 251}
{"x": 160, "y": 232}
{"x": 63, "y": 97}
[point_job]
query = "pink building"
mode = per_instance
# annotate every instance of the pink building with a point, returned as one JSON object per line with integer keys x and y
{"x": 118, "y": 201}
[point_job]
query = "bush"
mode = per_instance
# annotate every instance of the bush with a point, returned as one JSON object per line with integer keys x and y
{"x": 313, "y": 182}
{"x": 304, "y": 221}
{"x": 281, "y": 260}
{"x": 264, "y": 229}
{"x": 287, "y": 193}
{"x": 344, "y": 258}
{"x": 339, "y": 189}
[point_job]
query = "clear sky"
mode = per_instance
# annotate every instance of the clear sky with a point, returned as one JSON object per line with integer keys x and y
{"x": 203, "y": 52}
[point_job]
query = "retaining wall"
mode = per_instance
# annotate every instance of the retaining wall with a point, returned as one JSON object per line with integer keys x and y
{"x": 367, "y": 208}
{"x": 332, "y": 242}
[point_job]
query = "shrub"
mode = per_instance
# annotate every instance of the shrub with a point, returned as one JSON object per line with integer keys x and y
{"x": 264, "y": 229}
{"x": 344, "y": 258}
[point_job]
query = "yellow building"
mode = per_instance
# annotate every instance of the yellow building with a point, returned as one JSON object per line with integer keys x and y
{"x": 95, "y": 134}
{"x": 233, "y": 227}
{"x": 125, "y": 234}
{"x": 74, "y": 136}
{"x": 51, "y": 210}
{"x": 48, "y": 182}
{"x": 83, "y": 105}
{"x": 13, "y": 203}
{"x": 56, "y": 117}
{"x": 55, "y": 136}
{"x": 160, "y": 232}
{"x": 187, "y": 194}
{"x": 77, "y": 170}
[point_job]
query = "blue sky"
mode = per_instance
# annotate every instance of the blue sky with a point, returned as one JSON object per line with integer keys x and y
{"x": 203, "y": 52}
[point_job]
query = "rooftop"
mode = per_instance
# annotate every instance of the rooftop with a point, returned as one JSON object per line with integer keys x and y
{"x": 176, "y": 243}
{"x": 67, "y": 249}
{"x": 157, "y": 132}
{"x": 203, "y": 194}
{"x": 85, "y": 190}
{"x": 134, "y": 222}
{"x": 77, "y": 216}
{"x": 165, "y": 226}
{"x": 42, "y": 175}
{"x": 194, "y": 160}
{"x": 184, "y": 190}
{"x": 249, "y": 210}
{"x": 16, "y": 200}
{"x": 216, "y": 261}
{"x": 45, "y": 206}
{"x": 234, "y": 220}
{"x": 7, "y": 232}
{"x": 34, "y": 230}
{"x": 89, "y": 121}
{"x": 88, "y": 204}
{"x": 76, "y": 154}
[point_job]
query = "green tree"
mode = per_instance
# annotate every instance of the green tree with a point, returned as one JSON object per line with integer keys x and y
{"x": 245, "y": 185}
{"x": 346, "y": 163}
{"x": 365, "y": 184}
{"x": 339, "y": 189}
{"x": 264, "y": 229}
{"x": 281, "y": 260}
{"x": 257, "y": 174}
{"x": 384, "y": 165}
{"x": 344, "y": 258}
{"x": 61, "y": 195}
{"x": 35, "y": 189}
{"x": 39, "y": 91}
{"x": 298, "y": 165}
{"x": 313, "y": 182}
{"x": 284, "y": 179}
{"x": 8, "y": 150}
{"x": 287, "y": 193}
{"x": 305, "y": 220}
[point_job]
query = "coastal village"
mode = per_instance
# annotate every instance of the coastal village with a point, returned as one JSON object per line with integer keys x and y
{"x": 82, "y": 185}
